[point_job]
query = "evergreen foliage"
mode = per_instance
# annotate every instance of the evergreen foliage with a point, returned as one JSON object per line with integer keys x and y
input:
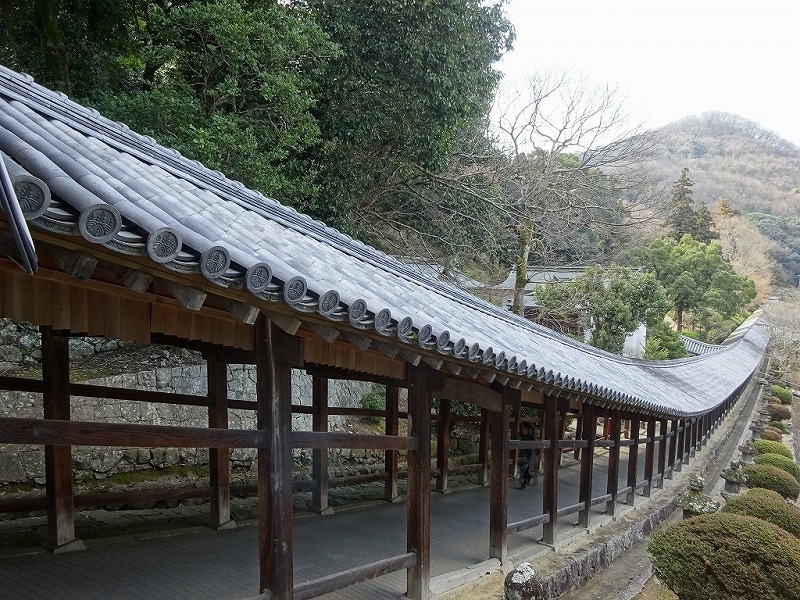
{"x": 769, "y": 447}
{"x": 727, "y": 556}
{"x": 766, "y": 505}
{"x": 780, "y": 461}
{"x": 663, "y": 343}
{"x": 784, "y": 395}
{"x": 772, "y": 478}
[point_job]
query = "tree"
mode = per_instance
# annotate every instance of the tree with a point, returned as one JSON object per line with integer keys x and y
{"x": 612, "y": 302}
{"x": 572, "y": 165}
{"x": 696, "y": 277}
{"x": 392, "y": 105}
{"x": 682, "y": 216}
{"x": 663, "y": 343}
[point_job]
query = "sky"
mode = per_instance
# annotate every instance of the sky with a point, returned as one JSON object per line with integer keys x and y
{"x": 671, "y": 59}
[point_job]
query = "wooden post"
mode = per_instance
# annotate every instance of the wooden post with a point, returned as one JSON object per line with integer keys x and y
{"x": 419, "y": 483}
{"x": 578, "y": 434}
{"x": 687, "y": 439}
{"x": 391, "y": 491}
{"x": 319, "y": 466}
{"x": 58, "y": 459}
{"x": 219, "y": 458}
{"x": 649, "y": 455}
{"x": 498, "y": 503}
{"x": 633, "y": 460}
{"x": 673, "y": 448}
{"x": 680, "y": 446}
{"x": 662, "y": 454}
{"x": 516, "y": 422}
{"x": 694, "y": 438}
{"x": 551, "y": 465}
{"x": 274, "y": 414}
{"x": 613, "y": 463}
{"x": 589, "y": 430}
{"x": 443, "y": 445}
{"x": 483, "y": 448}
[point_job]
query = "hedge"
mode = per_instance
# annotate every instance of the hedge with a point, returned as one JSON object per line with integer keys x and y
{"x": 769, "y": 506}
{"x": 772, "y": 478}
{"x": 780, "y": 412}
{"x": 769, "y": 447}
{"x": 780, "y": 426}
{"x": 784, "y": 395}
{"x": 730, "y": 556}
{"x": 772, "y": 434}
{"x": 780, "y": 461}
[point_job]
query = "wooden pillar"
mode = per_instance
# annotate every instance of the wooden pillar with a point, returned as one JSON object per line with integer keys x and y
{"x": 578, "y": 434}
{"x": 680, "y": 446}
{"x": 498, "y": 503}
{"x": 613, "y": 463}
{"x": 550, "y": 432}
{"x": 274, "y": 415}
{"x": 687, "y": 440}
{"x": 391, "y": 491}
{"x": 649, "y": 456}
{"x": 319, "y": 465}
{"x": 443, "y": 446}
{"x": 672, "y": 448}
{"x": 483, "y": 448}
{"x": 589, "y": 429}
{"x": 58, "y": 459}
{"x": 694, "y": 437}
{"x": 662, "y": 454}
{"x": 419, "y": 483}
{"x": 516, "y": 423}
{"x": 219, "y": 458}
{"x": 633, "y": 460}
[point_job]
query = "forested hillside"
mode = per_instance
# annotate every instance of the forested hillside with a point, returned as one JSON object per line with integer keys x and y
{"x": 735, "y": 159}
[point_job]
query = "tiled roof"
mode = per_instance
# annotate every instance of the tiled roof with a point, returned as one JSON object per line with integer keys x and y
{"x": 121, "y": 190}
{"x": 696, "y": 347}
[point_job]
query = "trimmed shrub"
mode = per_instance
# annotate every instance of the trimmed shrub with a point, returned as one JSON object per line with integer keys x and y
{"x": 784, "y": 395}
{"x": 780, "y": 412}
{"x": 772, "y": 434}
{"x": 769, "y": 506}
{"x": 769, "y": 447}
{"x": 772, "y": 478}
{"x": 730, "y": 556}
{"x": 780, "y": 461}
{"x": 780, "y": 426}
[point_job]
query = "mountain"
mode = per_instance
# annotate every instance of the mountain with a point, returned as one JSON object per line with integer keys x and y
{"x": 753, "y": 168}
{"x": 731, "y": 157}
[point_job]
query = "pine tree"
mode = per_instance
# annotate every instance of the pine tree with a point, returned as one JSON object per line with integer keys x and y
{"x": 682, "y": 216}
{"x": 703, "y": 223}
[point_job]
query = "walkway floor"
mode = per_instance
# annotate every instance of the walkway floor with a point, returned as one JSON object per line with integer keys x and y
{"x": 200, "y": 563}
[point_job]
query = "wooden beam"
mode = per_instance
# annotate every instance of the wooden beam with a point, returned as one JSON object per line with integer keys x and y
{"x": 390, "y": 457}
{"x": 443, "y": 446}
{"x": 319, "y": 465}
{"x": 274, "y": 419}
{"x": 649, "y": 455}
{"x": 498, "y": 492}
{"x": 361, "y": 342}
{"x": 91, "y": 433}
{"x": 612, "y": 485}
{"x": 662, "y": 454}
{"x": 633, "y": 461}
{"x": 287, "y": 324}
{"x": 589, "y": 430}
{"x": 74, "y": 264}
{"x": 329, "y": 334}
{"x": 471, "y": 392}
{"x": 419, "y": 482}
{"x": 188, "y": 297}
{"x": 246, "y": 313}
{"x": 58, "y": 458}
{"x": 219, "y": 458}
{"x": 552, "y": 460}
